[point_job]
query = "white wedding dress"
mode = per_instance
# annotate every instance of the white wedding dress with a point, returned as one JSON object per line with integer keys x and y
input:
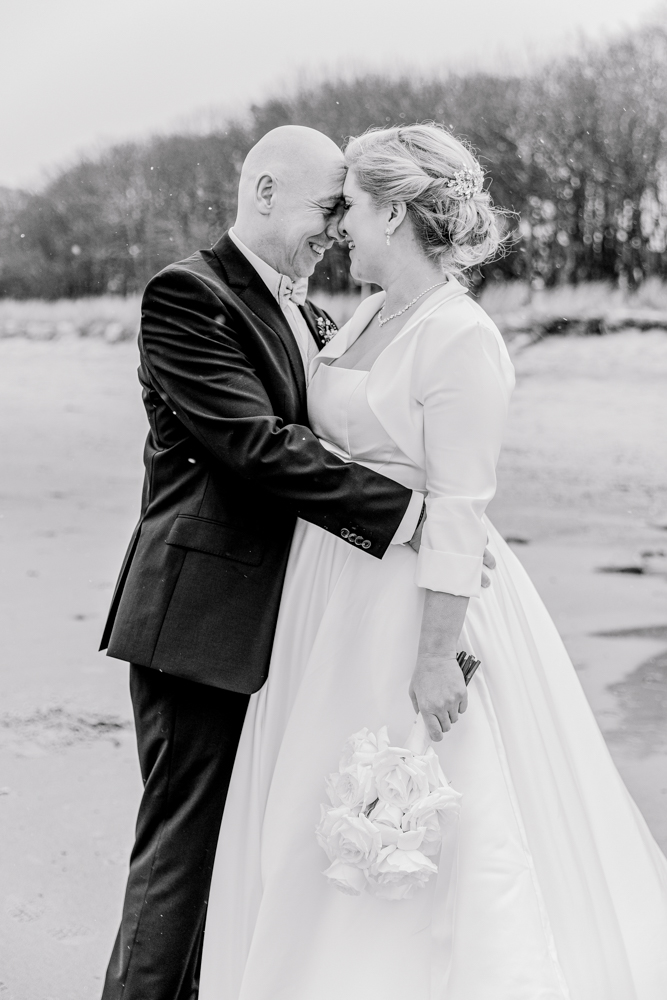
{"x": 559, "y": 890}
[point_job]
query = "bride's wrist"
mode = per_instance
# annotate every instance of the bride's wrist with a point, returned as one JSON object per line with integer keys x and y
{"x": 436, "y": 657}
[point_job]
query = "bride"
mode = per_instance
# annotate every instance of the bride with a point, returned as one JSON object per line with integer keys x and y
{"x": 559, "y": 891}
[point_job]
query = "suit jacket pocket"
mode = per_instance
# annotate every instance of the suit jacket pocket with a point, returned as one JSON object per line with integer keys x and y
{"x": 216, "y": 538}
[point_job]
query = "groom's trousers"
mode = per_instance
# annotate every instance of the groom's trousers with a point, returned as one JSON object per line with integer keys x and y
{"x": 187, "y": 736}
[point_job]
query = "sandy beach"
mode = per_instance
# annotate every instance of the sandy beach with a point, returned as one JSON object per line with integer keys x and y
{"x": 582, "y": 498}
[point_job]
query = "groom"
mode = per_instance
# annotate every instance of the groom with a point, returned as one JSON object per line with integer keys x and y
{"x": 226, "y": 338}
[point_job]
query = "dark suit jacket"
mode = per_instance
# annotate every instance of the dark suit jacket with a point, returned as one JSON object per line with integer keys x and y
{"x": 230, "y": 464}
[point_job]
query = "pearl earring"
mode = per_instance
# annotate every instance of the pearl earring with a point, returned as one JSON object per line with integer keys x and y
{"x": 388, "y": 235}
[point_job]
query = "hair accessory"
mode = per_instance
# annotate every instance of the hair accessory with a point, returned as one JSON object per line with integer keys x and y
{"x": 466, "y": 182}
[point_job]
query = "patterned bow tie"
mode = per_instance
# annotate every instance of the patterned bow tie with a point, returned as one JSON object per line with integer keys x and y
{"x": 295, "y": 291}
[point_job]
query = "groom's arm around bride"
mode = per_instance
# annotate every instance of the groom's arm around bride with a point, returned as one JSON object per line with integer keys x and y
{"x": 230, "y": 464}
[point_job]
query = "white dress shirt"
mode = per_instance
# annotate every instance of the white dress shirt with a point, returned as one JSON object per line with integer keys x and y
{"x": 308, "y": 350}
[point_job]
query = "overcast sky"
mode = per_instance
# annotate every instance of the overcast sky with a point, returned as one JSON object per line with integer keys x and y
{"x": 76, "y": 74}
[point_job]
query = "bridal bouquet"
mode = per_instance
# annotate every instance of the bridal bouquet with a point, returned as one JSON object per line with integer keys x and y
{"x": 388, "y": 808}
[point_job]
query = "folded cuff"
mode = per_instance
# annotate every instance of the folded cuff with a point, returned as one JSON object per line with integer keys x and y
{"x": 449, "y": 572}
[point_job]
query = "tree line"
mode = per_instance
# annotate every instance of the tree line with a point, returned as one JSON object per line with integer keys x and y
{"x": 577, "y": 150}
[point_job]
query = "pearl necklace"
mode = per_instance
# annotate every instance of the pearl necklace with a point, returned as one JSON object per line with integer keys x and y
{"x": 382, "y": 319}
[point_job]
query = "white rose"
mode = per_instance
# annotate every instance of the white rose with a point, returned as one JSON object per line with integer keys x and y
{"x": 428, "y": 816}
{"x": 410, "y": 841}
{"x": 400, "y": 777}
{"x": 328, "y": 819}
{"x": 387, "y": 814}
{"x": 428, "y": 824}
{"x": 362, "y": 747}
{"x": 436, "y": 778}
{"x": 397, "y": 873}
{"x": 346, "y": 878}
{"x": 353, "y": 840}
{"x": 388, "y": 819}
{"x": 444, "y": 798}
{"x": 354, "y": 787}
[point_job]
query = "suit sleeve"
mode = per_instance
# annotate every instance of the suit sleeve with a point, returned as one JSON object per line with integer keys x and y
{"x": 196, "y": 359}
{"x": 465, "y": 386}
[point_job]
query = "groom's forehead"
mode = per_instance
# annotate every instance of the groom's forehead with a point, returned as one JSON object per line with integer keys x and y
{"x": 327, "y": 185}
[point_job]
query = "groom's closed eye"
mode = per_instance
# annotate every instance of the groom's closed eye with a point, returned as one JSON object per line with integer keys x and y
{"x": 330, "y": 211}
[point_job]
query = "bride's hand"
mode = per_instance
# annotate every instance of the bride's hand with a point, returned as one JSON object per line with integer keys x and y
{"x": 438, "y": 691}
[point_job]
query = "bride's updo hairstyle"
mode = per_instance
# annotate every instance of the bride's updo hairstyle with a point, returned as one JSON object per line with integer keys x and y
{"x": 441, "y": 184}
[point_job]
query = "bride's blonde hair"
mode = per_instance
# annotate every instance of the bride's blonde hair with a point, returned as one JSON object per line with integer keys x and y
{"x": 420, "y": 166}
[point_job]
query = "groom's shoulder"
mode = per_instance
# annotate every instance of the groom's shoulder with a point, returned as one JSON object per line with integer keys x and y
{"x": 198, "y": 276}
{"x": 198, "y": 266}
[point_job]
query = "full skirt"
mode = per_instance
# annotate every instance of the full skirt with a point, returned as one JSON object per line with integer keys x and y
{"x": 552, "y": 888}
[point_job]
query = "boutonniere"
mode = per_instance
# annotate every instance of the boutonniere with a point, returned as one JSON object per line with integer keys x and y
{"x": 326, "y": 329}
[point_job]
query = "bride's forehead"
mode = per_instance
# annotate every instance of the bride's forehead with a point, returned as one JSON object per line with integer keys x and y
{"x": 352, "y": 188}
{"x": 351, "y": 183}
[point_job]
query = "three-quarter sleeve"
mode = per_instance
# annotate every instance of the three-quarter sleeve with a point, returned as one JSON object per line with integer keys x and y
{"x": 463, "y": 382}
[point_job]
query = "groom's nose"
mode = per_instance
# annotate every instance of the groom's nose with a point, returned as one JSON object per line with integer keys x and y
{"x": 334, "y": 228}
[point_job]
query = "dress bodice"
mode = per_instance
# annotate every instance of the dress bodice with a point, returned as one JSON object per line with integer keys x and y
{"x": 343, "y": 420}
{"x": 341, "y": 417}
{"x": 430, "y": 415}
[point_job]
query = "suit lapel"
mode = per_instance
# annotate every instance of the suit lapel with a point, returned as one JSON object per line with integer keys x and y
{"x": 258, "y": 298}
{"x": 244, "y": 281}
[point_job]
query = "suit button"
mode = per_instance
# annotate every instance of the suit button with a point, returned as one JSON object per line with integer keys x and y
{"x": 191, "y": 460}
{"x": 344, "y": 533}
{"x": 366, "y": 544}
{"x": 359, "y": 540}
{"x": 351, "y": 537}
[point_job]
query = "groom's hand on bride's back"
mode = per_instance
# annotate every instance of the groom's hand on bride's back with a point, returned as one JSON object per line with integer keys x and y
{"x": 416, "y": 539}
{"x": 490, "y": 563}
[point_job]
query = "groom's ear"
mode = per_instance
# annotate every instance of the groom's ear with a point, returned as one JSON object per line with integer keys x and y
{"x": 265, "y": 193}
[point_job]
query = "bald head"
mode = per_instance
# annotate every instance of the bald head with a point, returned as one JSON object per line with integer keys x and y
{"x": 289, "y": 193}
{"x": 290, "y": 153}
